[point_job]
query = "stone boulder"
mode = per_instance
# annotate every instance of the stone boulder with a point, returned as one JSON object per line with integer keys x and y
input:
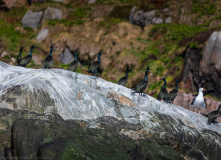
{"x": 48, "y": 136}
{"x": 66, "y": 57}
{"x": 31, "y": 19}
{"x": 42, "y": 35}
{"x": 157, "y": 20}
{"x": 34, "y": 19}
{"x": 148, "y": 16}
{"x": 210, "y": 65}
{"x": 94, "y": 103}
{"x": 52, "y": 13}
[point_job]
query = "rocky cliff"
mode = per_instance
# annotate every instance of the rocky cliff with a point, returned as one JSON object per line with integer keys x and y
{"x": 47, "y": 107}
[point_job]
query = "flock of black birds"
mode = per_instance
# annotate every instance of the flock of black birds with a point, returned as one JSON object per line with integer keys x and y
{"x": 164, "y": 95}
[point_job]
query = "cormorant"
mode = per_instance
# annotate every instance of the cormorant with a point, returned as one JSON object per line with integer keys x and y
{"x": 74, "y": 65}
{"x": 25, "y": 60}
{"x": 163, "y": 91}
{"x": 49, "y": 61}
{"x": 141, "y": 86}
{"x": 172, "y": 94}
{"x": 198, "y": 101}
{"x": 19, "y": 55}
{"x": 93, "y": 69}
{"x": 213, "y": 115}
{"x": 123, "y": 80}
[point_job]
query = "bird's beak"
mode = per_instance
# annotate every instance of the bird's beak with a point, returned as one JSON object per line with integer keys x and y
{"x": 204, "y": 89}
{"x": 161, "y": 79}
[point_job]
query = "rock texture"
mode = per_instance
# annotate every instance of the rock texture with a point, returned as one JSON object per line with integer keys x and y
{"x": 31, "y": 19}
{"x": 34, "y": 19}
{"x": 42, "y": 35}
{"x": 28, "y": 135}
{"x": 207, "y": 65}
{"x": 96, "y": 103}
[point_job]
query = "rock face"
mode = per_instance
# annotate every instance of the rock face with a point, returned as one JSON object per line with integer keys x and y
{"x": 207, "y": 65}
{"x": 34, "y": 19}
{"x": 96, "y": 103}
{"x": 150, "y": 17}
{"x": 66, "y": 56}
{"x": 48, "y": 136}
{"x": 42, "y": 35}
{"x": 31, "y": 19}
{"x": 52, "y": 13}
{"x": 210, "y": 65}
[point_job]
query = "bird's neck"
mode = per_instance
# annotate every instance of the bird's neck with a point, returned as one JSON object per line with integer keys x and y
{"x": 31, "y": 51}
{"x": 75, "y": 58}
{"x": 176, "y": 85}
{"x": 145, "y": 78}
{"x": 126, "y": 73}
{"x": 165, "y": 82}
{"x": 51, "y": 52}
{"x": 20, "y": 52}
{"x": 98, "y": 58}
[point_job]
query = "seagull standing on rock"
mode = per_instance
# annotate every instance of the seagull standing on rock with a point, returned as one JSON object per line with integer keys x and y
{"x": 198, "y": 101}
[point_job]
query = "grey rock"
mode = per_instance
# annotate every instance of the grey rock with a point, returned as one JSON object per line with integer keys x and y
{"x": 42, "y": 35}
{"x": 66, "y": 56}
{"x": 52, "y": 13}
{"x": 91, "y": 1}
{"x": 31, "y": 19}
{"x": 166, "y": 10}
{"x": 157, "y": 20}
{"x": 149, "y": 15}
{"x": 168, "y": 20}
{"x": 210, "y": 65}
{"x": 4, "y": 53}
{"x": 75, "y": 96}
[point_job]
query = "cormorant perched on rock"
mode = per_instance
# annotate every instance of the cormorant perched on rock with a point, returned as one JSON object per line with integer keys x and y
{"x": 93, "y": 69}
{"x": 141, "y": 86}
{"x": 198, "y": 101}
{"x": 172, "y": 94}
{"x": 123, "y": 80}
{"x": 74, "y": 65}
{"x": 19, "y": 55}
{"x": 49, "y": 61}
{"x": 25, "y": 60}
{"x": 213, "y": 115}
{"x": 163, "y": 91}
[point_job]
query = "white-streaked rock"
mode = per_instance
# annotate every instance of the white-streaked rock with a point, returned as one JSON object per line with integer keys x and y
{"x": 84, "y": 97}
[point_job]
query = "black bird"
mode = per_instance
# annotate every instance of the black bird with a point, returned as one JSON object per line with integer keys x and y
{"x": 163, "y": 91}
{"x": 172, "y": 94}
{"x": 19, "y": 55}
{"x": 96, "y": 65}
{"x": 123, "y": 80}
{"x": 141, "y": 86}
{"x": 49, "y": 61}
{"x": 74, "y": 65}
{"x": 213, "y": 115}
{"x": 25, "y": 60}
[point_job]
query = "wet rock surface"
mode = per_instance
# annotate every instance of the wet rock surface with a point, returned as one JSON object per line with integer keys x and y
{"x": 99, "y": 107}
{"x": 50, "y": 137}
